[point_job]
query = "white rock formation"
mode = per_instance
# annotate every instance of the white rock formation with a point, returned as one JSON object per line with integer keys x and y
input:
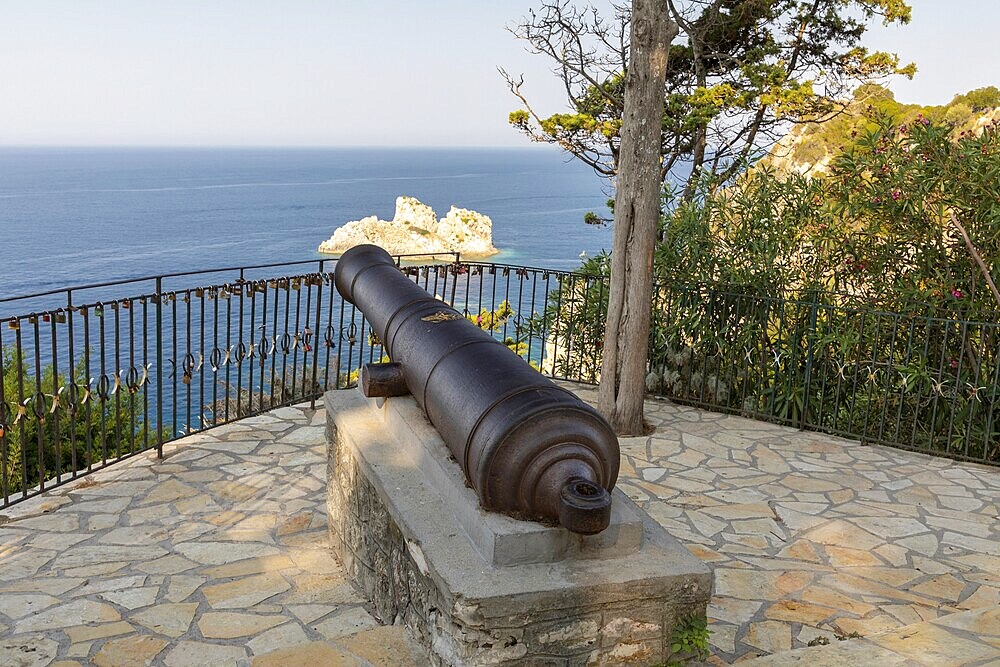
{"x": 414, "y": 228}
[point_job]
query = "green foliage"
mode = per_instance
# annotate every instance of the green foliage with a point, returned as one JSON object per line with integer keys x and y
{"x": 493, "y": 321}
{"x": 872, "y": 106}
{"x": 573, "y": 322}
{"x": 518, "y": 117}
{"x": 741, "y": 70}
{"x": 980, "y": 99}
{"x": 848, "y": 302}
{"x": 876, "y": 229}
{"x": 36, "y": 446}
{"x": 689, "y": 640}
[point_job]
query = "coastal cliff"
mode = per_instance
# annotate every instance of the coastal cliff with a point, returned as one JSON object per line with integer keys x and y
{"x": 415, "y": 228}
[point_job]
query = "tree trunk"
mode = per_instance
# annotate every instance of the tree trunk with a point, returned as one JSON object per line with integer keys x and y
{"x": 637, "y": 212}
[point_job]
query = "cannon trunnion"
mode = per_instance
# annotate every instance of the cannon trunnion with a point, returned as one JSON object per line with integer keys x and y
{"x": 528, "y": 447}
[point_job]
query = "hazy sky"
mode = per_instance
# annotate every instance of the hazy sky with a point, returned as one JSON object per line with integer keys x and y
{"x": 337, "y": 72}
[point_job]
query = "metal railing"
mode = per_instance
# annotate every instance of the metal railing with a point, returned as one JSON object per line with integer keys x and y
{"x": 915, "y": 380}
{"x": 98, "y": 373}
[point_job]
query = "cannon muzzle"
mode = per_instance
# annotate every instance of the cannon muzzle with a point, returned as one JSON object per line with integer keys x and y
{"x": 528, "y": 447}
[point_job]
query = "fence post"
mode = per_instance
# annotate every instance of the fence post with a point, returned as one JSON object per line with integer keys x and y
{"x": 159, "y": 368}
{"x": 810, "y": 358}
{"x": 315, "y": 345}
{"x": 454, "y": 283}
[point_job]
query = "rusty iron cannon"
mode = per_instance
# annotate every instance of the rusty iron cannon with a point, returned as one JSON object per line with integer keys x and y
{"x": 529, "y": 448}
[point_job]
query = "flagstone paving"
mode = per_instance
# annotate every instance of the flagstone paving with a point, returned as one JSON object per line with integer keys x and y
{"x": 218, "y": 553}
{"x": 814, "y": 538}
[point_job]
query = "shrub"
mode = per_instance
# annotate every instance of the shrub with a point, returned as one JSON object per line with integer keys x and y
{"x": 849, "y": 302}
{"x": 43, "y": 434}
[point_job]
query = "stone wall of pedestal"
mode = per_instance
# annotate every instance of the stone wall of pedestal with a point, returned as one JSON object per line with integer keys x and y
{"x": 405, "y": 551}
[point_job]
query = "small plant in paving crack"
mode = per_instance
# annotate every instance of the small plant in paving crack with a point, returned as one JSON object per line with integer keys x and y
{"x": 689, "y": 640}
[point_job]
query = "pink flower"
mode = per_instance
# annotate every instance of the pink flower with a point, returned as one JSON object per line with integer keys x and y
{"x": 957, "y": 293}
{"x": 876, "y": 200}
{"x": 896, "y": 194}
{"x": 953, "y": 363}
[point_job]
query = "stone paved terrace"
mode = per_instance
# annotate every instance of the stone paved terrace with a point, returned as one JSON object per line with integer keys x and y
{"x": 218, "y": 553}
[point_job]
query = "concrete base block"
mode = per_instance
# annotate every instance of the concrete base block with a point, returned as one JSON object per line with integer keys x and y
{"x": 478, "y": 588}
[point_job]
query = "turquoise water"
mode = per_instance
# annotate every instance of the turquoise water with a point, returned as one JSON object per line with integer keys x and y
{"x": 73, "y": 216}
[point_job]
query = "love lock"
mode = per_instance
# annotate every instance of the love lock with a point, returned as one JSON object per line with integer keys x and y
{"x": 215, "y": 359}
{"x": 38, "y": 406}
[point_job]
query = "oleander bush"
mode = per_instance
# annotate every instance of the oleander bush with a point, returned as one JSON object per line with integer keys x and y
{"x": 857, "y": 301}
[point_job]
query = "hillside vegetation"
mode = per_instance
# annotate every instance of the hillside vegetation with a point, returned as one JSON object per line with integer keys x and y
{"x": 812, "y": 144}
{"x": 857, "y": 298}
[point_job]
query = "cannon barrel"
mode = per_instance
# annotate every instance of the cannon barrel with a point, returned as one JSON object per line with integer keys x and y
{"x": 528, "y": 447}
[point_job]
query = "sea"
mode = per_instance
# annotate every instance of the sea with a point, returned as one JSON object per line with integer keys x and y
{"x": 72, "y": 216}
{"x": 85, "y": 217}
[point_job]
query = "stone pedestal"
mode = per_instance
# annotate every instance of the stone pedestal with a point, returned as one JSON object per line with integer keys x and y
{"x": 479, "y": 588}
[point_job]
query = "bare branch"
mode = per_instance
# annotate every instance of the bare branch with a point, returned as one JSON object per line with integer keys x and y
{"x": 978, "y": 258}
{"x": 753, "y": 55}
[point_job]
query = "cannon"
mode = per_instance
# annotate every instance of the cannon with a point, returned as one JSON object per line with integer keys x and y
{"x": 529, "y": 448}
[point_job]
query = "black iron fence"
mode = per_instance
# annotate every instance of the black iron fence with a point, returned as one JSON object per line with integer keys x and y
{"x": 97, "y": 373}
{"x": 915, "y": 380}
